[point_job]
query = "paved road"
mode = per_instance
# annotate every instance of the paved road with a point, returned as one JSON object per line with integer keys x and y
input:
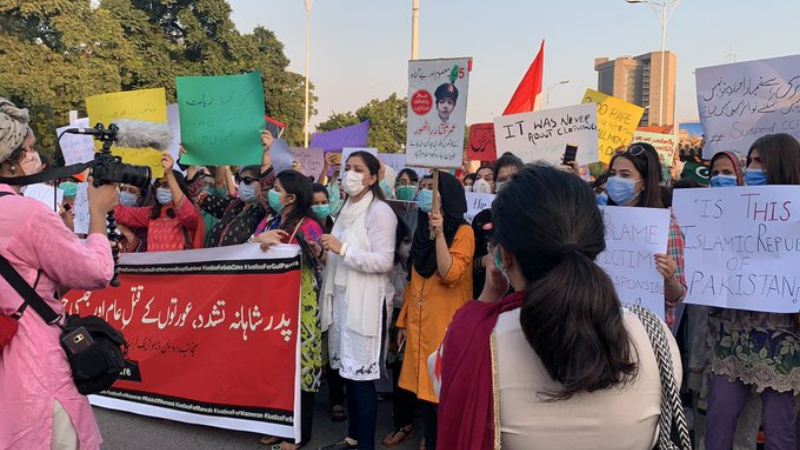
{"x": 123, "y": 431}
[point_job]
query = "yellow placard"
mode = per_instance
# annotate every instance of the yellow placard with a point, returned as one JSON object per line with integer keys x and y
{"x": 616, "y": 122}
{"x": 148, "y": 105}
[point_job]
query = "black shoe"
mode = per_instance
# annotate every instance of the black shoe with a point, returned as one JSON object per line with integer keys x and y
{"x": 340, "y": 445}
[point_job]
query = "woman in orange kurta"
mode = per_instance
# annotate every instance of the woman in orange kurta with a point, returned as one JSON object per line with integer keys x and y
{"x": 441, "y": 282}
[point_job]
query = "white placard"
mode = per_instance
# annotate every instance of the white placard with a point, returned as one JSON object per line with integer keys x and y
{"x": 397, "y": 161}
{"x": 81, "y": 210}
{"x": 633, "y": 237}
{"x": 174, "y": 121}
{"x": 477, "y": 203}
{"x": 437, "y": 112}
{"x": 544, "y": 135}
{"x": 738, "y": 103}
{"x": 76, "y": 148}
{"x": 742, "y": 246}
{"x": 347, "y": 151}
{"x": 46, "y": 195}
{"x": 311, "y": 160}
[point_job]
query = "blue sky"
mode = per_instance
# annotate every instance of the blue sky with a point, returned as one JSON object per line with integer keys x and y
{"x": 360, "y": 48}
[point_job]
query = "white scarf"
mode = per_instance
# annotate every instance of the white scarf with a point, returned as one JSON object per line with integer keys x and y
{"x": 365, "y": 292}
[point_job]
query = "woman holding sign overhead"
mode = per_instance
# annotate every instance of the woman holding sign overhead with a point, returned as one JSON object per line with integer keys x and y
{"x": 635, "y": 178}
{"x": 356, "y": 293}
{"x": 757, "y": 351}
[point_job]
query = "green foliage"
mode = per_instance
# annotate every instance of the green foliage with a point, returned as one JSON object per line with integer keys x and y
{"x": 387, "y": 123}
{"x": 55, "y": 53}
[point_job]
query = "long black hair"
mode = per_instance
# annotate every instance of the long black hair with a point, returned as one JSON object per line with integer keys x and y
{"x": 780, "y": 158}
{"x": 155, "y": 210}
{"x": 571, "y": 316}
{"x": 374, "y": 166}
{"x": 318, "y": 188}
{"x": 297, "y": 184}
{"x": 412, "y": 175}
{"x": 644, "y": 158}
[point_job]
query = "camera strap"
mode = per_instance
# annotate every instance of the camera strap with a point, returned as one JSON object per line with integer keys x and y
{"x": 48, "y": 175}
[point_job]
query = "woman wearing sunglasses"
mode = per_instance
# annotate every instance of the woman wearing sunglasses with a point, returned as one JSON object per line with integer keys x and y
{"x": 635, "y": 181}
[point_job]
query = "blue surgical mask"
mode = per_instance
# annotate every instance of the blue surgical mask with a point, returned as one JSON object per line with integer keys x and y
{"x": 406, "y": 193}
{"x": 164, "y": 196}
{"x": 274, "y": 198}
{"x": 247, "y": 192}
{"x": 755, "y": 177}
{"x": 602, "y": 199}
{"x": 70, "y": 189}
{"x": 130, "y": 200}
{"x": 724, "y": 181}
{"x": 322, "y": 211}
{"x": 621, "y": 191}
{"x": 425, "y": 200}
{"x": 387, "y": 190}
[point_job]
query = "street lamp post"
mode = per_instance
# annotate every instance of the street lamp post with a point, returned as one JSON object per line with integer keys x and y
{"x": 415, "y": 30}
{"x": 552, "y": 87}
{"x": 663, "y": 12}
{"x": 308, "y": 4}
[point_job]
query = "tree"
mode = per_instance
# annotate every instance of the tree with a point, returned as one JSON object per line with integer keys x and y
{"x": 387, "y": 119}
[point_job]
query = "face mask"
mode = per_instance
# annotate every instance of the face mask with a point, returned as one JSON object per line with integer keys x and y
{"x": 499, "y": 263}
{"x": 70, "y": 189}
{"x": 467, "y": 188}
{"x": 247, "y": 192}
{"x": 352, "y": 183}
{"x": 755, "y": 177}
{"x": 482, "y": 187}
{"x": 723, "y": 181}
{"x": 622, "y": 190}
{"x": 500, "y": 185}
{"x": 602, "y": 199}
{"x": 31, "y": 164}
{"x": 425, "y": 200}
{"x": 274, "y": 198}
{"x": 406, "y": 193}
{"x": 322, "y": 211}
{"x": 129, "y": 200}
{"x": 164, "y": 196}
{"x": 387, "y": 190}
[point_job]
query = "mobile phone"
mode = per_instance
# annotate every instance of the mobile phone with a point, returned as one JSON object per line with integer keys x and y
{"x": 570, "y": 153}
{"x": 77, "y": 341}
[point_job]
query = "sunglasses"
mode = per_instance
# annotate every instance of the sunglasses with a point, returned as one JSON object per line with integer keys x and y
{"x": 246, "y": 180}
{"x": 635, "y": 150}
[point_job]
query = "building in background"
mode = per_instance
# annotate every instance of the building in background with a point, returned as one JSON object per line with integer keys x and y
{"x": 638, "y": 80}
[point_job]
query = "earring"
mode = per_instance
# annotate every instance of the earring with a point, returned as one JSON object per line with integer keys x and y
{"x": 13, "y": 168}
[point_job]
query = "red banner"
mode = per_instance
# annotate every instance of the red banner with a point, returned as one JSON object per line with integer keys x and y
{"x": 481, "y": 146}
{"x": 213, "y": 336}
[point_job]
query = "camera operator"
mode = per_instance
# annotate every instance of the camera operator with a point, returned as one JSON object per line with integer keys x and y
{"x": 40, "y": 407}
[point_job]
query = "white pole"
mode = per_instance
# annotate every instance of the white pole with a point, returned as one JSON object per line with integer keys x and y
{"x": 308, "y": 4}
{"x": 664, "y": 18}
{"x": 415, "y": 30}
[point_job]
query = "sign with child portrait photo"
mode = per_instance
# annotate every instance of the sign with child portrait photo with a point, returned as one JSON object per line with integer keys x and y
{"x": 437, "y": 112}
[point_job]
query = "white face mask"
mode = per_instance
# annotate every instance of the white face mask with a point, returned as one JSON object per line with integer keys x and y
{"x": 352, "y": 183}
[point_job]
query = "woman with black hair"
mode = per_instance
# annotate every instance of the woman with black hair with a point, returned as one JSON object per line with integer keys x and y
{"x": 173, "y": 223}
{"x": 322, "y": 206}
{"x": 407, "y": 185}
{"x": 558, "y": 364}
{"x": 357, "y": 292}
{"x": 635, "y": 181}
{"x": 441, "y": 282}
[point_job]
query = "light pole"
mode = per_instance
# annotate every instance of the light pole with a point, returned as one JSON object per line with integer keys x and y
{"x": 415, "y": 30}
{"x": 552, "y": 87}
{"x": 308, "y": 4}
{"x": 664, "y": 12}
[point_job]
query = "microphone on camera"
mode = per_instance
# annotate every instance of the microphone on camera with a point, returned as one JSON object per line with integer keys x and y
{"x": 132, "y": 134}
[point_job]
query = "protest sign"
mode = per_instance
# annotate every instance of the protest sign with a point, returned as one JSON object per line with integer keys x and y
{"x": 311, "y": 160}
{"x": 742, "y": 247}
{"x": 347, "y": 151}
{"x": 281, "y": 156}
{"x": 477, "y": 203}
{"x": 146, "y": 105}
{"x": 738, "y": 103}
{"x": 633, "y": 237}
{"x": 336, "y": 140}
{"x": 665, "y": 145}
{"x": 544, "y": 135}
{"x": 397, "y": 161}
{"x": 76, "y": 148}
{"x": 481, "y": 142}
{"x": 200, "y": 315}
{"x": 616, "y": 122}
{"x": 81, "y": 210}
{"x": 437, "y": 112}
{"x": 174, "y": 120}
{"x": 221, "y": 119}
{"x": 46, "y": 195}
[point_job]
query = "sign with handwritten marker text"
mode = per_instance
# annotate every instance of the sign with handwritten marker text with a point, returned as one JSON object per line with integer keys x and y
{"x": 437, "y": 112}
{"x": 146, "y": 105}
{"x": 616, "y": 122}
{"x": 221, "y": 119}
{"x": 81, "y": 210}
{"x": 200, "y": 315}
{"x": 633, "y": 237}
{"x": 544, "y": 135}
{"x": 738, "y": 103}
{"x": 311, "y": 160}
{"x": 742, "y": 247}
{"x": 477, "y": 203}
{"x": 665, "y": 145}
{"x": 76, "y": 148}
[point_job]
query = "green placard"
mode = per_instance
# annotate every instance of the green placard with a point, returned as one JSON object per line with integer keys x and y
{"x": 221, "y": 118}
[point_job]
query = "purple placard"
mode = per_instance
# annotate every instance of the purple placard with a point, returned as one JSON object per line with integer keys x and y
{"x": 336, "y": 140}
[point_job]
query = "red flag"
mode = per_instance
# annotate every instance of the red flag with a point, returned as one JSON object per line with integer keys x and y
{"x": 528, "y": 95}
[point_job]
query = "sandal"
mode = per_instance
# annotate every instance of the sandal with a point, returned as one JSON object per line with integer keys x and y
{"x": 338, "y": 414}
{"x": 399, "y": 436}
{"x": 270, "y": 440}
